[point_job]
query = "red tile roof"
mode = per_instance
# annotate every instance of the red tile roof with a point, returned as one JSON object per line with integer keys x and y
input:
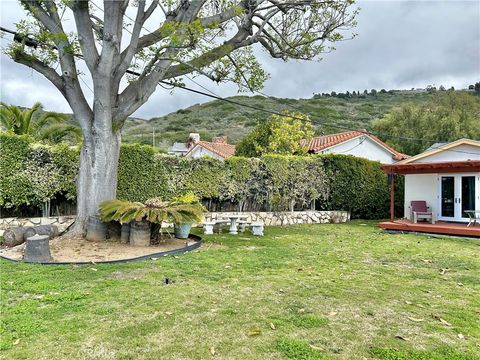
{"x": 221, "y": 149}
{"x": 325, "y": 141}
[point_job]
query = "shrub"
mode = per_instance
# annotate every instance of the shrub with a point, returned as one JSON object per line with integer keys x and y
{"x": 356, "y": 185}
{"x": 31, "y": 174}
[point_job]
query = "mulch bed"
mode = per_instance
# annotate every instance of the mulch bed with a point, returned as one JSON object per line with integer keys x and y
{"x": 73, "y": 248}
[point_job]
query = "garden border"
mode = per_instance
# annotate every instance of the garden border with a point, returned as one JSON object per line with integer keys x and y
{"x": 198, "y": 242}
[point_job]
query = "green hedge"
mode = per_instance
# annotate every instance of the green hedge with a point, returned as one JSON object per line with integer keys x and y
{"x": 30, "y": 174}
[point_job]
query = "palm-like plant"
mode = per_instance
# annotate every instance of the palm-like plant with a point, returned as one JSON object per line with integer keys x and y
{"x": 50, "y": 126}
{"x": 154, "y": 210}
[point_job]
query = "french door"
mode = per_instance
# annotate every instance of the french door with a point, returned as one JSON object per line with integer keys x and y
{"x": 457, "y": 194}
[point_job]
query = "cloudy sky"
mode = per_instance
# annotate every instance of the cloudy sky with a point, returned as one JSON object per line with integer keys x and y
{"x": 400, "y": 45}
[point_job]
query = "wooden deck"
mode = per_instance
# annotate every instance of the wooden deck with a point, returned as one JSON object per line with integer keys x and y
{"x": 440, "y": 227}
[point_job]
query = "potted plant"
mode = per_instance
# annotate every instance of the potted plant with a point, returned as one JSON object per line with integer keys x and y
{"x": 183, "y": 226}
{"x": 152, "y": 212}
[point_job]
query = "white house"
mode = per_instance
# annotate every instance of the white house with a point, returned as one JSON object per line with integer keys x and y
{"x": 218, "y": 149}
{"x": 355, "y": 143}
{"x": 446, "y": 176}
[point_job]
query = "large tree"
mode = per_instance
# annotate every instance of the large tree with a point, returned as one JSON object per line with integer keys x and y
{"x": 277, "y": 135}
{"x": 447, "y": 116}
{"x": 162, "y": 40}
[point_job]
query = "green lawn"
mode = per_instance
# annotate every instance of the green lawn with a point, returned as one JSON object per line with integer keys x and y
{"x": 302, "y": 292}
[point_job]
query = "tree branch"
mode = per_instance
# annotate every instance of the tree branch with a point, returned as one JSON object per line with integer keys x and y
{"x": 72, "y": 90}
{"x": 22, "y": 57}
{"x": 85, "y": 34}
{"x": 128, "y": 54}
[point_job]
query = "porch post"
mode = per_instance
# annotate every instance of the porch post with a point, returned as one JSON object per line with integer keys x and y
{"x": 392, "y": 198}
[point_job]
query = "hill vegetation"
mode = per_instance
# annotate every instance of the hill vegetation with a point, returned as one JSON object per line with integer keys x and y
{"x": 216, "y": 118}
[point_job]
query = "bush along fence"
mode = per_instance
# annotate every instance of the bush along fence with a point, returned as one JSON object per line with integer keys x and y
{"x": 38, "y": 175}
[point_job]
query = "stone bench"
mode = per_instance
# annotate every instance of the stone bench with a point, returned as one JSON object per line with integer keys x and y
{"x": 209, "y": 225}
{"x": 242, "y": 225}
{"x": 257, "y": 228}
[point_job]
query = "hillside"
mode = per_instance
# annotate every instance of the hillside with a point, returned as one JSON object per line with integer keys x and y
{"x": 217, "y": 117}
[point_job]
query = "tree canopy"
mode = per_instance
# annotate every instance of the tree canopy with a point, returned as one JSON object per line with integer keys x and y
{"x": 277, "y": 135}
{"x": 449, "y": 116}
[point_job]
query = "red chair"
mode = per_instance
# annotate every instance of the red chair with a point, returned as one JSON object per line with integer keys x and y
{"x": 420, "y": 210}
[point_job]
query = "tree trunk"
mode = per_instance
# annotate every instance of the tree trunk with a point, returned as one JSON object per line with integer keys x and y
{"x": 97, "y": 178}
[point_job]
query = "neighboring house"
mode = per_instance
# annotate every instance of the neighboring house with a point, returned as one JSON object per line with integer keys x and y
{"x": 355, "y": 143}
{"x": 179, "y": 149}
{"x": 447, "y": 177}
{"x": 218, "y": 148}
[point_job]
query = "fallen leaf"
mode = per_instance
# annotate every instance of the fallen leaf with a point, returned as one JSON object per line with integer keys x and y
{"x": 443, "y": 271}
{"x": 93, "y": 269}
{"x": 227, "y": 266}
{"x": 301, "y": 310}
{"x": 154, "y": 259}
{"x": 401, "y": 338}
{"x": 445, "y": 322}
{"x": 426, "y": 260}
{"x": 420, "y": 306}
{"x": 254, "y": 332}
{"x": 272, "y": 326}
{"x": 168, "y": 313}
{"x": 333, "y": 313}
{"x": 281, "y": 290}
{"x": 318, "y": 348}
{"x": 461, "y": 336}
{"x": 415, "y": 319}
{"x": 212, "y": 351}
{"x": 16, "y": 342}
{"x": 459, "y": 284}
{"x": 300, "y": 269}
{"x": 408, "y": 302}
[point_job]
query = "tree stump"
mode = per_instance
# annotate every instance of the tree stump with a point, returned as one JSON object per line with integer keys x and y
{"x": 37, "y": 249}
{"x": 114, "y": 231}
{"x": 125, "y": 234}
{"x": 96, "y": 229}
{"x": 140, "y": 233}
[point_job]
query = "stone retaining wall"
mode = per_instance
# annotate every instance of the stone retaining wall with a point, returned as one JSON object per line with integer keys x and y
{"x": 287, "y": 217}
{"x": 268, "y": 218}
{"x": 62, "y": 222}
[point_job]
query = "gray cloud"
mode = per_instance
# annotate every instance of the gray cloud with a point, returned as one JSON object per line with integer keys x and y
{"x": 400, "y": 44}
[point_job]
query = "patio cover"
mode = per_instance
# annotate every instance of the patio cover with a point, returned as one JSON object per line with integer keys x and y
{"x": 431, "y": 168}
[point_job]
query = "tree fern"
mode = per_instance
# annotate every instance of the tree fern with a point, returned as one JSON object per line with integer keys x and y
{"x": 154, "y": 210}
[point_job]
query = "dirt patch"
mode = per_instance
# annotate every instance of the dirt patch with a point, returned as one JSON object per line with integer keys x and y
{"x": 68, "y": 248}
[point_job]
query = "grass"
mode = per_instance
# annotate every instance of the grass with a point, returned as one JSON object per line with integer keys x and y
{"x": 302, "y": 292}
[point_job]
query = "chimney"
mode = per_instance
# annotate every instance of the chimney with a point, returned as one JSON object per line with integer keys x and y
{"x": 220, "y": 140}
{"x": 193, "y": 138}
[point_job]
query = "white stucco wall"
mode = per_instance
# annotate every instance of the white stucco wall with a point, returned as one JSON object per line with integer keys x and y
{"x": 362, "y": 147}
{"x": 199, "y": 152}
{"x": 421, "y": 187}
{"x": 458, "y": 153}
